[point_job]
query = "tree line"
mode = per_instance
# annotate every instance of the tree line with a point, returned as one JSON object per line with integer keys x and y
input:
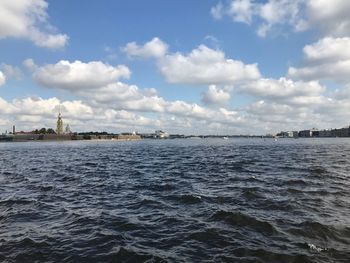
{"x": 44, "y": 131}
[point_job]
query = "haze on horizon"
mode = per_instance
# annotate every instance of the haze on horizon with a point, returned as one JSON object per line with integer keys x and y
{"x": 192, "y": 67}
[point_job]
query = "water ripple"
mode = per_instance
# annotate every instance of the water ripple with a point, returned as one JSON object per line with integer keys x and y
{"x": 237, "y": 200}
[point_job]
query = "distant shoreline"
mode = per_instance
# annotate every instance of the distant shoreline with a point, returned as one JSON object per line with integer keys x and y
{"x": 2, "y": 140}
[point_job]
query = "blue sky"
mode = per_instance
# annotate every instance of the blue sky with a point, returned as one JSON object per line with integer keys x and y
{"x": 234, "y": 66}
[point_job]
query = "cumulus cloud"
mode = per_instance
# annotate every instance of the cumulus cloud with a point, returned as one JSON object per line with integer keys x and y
{"x": 241, "y": 11}
{"x": 276, "y": 116}
{"x": 30, "y": 113}
{"x": 2, "y": 78}
{"x": 121, "y": 96}
{"x": 11, "y": 71}
{"x": 77, "y": 75}
{"x": 268, "y": 15}
{"x": 328, "y": 49}
{"x": 215, "y": 96}
{"x": 285, "y": 90}
{"x": 202, "y": 66}
{"x": 155, "y": 48}
{"x": 329, "y": 58}
{"x": 205, "y": 66}
{"x": 330, "y": 17}
{"x": 96, "y": 83}
{"x": 36, "y": 108}
{"x": 338, "y": 71}
{"x": 268, "y": 115}
{"x": 29, "y": 20}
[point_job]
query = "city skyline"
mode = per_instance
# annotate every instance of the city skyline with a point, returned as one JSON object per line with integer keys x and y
{"x": 189, "y": 67}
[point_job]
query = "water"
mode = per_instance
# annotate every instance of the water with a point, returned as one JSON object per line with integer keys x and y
{"x": 211, "y": 200}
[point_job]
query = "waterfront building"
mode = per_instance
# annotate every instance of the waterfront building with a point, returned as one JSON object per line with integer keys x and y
{"x": 343, "y": 132}
{"x": 161, "y": 134}
{"x": 305, "y": 133}
{"x": 309, "y": 133}
{"x": 288, "y": 134}
{"x": 325, "y": 133}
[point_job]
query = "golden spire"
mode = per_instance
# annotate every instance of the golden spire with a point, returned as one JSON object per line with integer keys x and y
{"x": 59, "y": 128}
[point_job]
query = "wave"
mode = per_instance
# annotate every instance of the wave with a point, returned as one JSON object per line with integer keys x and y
{"x": 127, "y": 255}
{"x": 313, "y": 229}
{"x": 189, "y": 199}
{"x": 239, "y": 219}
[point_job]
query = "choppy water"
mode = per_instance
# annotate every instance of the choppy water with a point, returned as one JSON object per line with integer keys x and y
{"x": 247, "y": 200}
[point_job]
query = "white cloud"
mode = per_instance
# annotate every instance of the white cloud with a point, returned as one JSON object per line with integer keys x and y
{"x": 77, "y": 75}
{"x": 28, "y": 19}
{"x": 268, "y": 115}
{"x": 269, "y": 14}
{"x": 29, "y": 64}
{"x": 155, "y": 48}
{"x": 329, "y": 58}
{"x": 44, "y": 108}
{"x": 241, "y": 11}
{"x": 328, "y": 50}
{"x": 276, "y": 116}
{"x": 202, "y": 66}
{"x": 11, "y": 71}
{"x": 263, "y": 30}
{"x": 342, "y": 93}
{"x": 95, "y": 83}
{"x": 285, "y": 90}
{"x": 215, "y": 96}
{"x": 112, "y": 92}
{"x": 205, "y": 66}
{"x": 5, "y": 107}
{"x": 331, "y": 16}
{"x": 217, "y": 11}
{"x": 121, "y": 96}
{"x": 338, "y": 71}
{"x": 2, "y": 78}
{"x": 31, "y": 113}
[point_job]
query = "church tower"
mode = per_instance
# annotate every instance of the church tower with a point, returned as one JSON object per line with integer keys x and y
{"x": 59, "y": 128}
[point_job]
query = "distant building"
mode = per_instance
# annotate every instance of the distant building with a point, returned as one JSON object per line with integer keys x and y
{"x": 295, "y": 134}
{"x": 288, "y": 134}
{"x": 161, "y": 134}
{"x": 325, "y": 133}
{"x": 343, "y": 132}
{"x": 309, "y": 133}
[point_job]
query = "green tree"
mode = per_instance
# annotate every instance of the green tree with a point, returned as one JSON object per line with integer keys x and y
{"x": 50, "y": 131}
{"x": 42, "y": 131}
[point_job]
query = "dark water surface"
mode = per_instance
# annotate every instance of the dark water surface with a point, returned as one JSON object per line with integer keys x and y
{"x": 246, "y": 200}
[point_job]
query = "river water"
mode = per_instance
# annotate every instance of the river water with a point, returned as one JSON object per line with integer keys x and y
{"x": 186, "y": 200}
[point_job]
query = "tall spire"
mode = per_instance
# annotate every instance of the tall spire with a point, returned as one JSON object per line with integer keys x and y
{"x": 59, "y": 128}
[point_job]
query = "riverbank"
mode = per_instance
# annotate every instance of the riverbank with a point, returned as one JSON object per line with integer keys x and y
{"x": 65, "y": 137}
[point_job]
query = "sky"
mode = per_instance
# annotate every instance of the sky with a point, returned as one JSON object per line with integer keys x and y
{"x": 189, "y": 67}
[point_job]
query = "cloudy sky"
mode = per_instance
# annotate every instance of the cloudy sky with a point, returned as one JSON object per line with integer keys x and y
{"x": 192, "y": 67}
